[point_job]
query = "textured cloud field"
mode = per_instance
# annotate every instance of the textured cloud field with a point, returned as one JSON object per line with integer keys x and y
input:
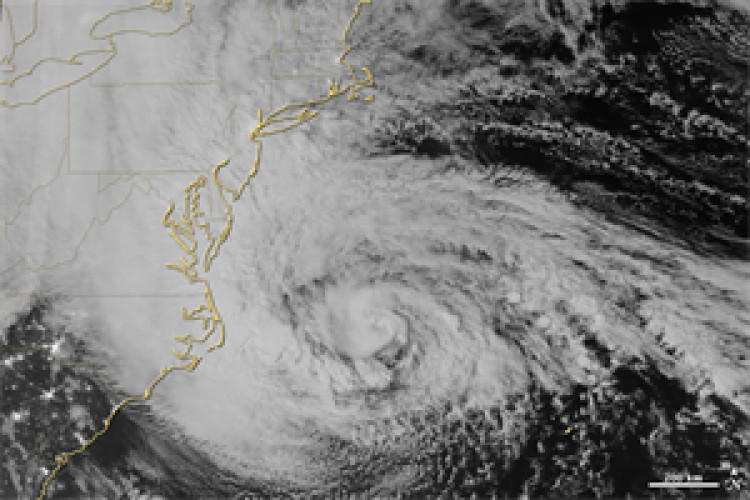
{"x": 363, "y": 291}
{"x": 494, "y": 287}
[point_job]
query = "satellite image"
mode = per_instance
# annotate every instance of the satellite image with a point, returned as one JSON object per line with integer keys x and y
{"x": 374, "y": 249}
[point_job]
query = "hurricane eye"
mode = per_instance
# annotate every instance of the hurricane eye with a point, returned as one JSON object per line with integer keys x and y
{"x": 360, "y": 336}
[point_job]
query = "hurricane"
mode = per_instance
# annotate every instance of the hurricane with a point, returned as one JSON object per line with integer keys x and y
{"x": 410, "y": 285}
{"x": 499, "y": 276}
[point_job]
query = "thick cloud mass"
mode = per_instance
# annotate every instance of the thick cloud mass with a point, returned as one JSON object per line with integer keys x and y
{"x": 442, "y": 320}
{"x": 357, "y": 291}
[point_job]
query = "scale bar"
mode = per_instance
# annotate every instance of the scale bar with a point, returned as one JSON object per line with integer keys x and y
{"x": 684, "y": 484}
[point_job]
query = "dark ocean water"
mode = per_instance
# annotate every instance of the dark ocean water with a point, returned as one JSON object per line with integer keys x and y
{"x": 548, "y": 214}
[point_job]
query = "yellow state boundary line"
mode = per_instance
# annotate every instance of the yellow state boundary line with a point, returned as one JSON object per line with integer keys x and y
{"x": 159, "y": 5}
{"x": 60, "y": 361}
{"x": 110, "y": 50}
{"x": 8, "y": 58}
{"x": 184, "y": 233}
